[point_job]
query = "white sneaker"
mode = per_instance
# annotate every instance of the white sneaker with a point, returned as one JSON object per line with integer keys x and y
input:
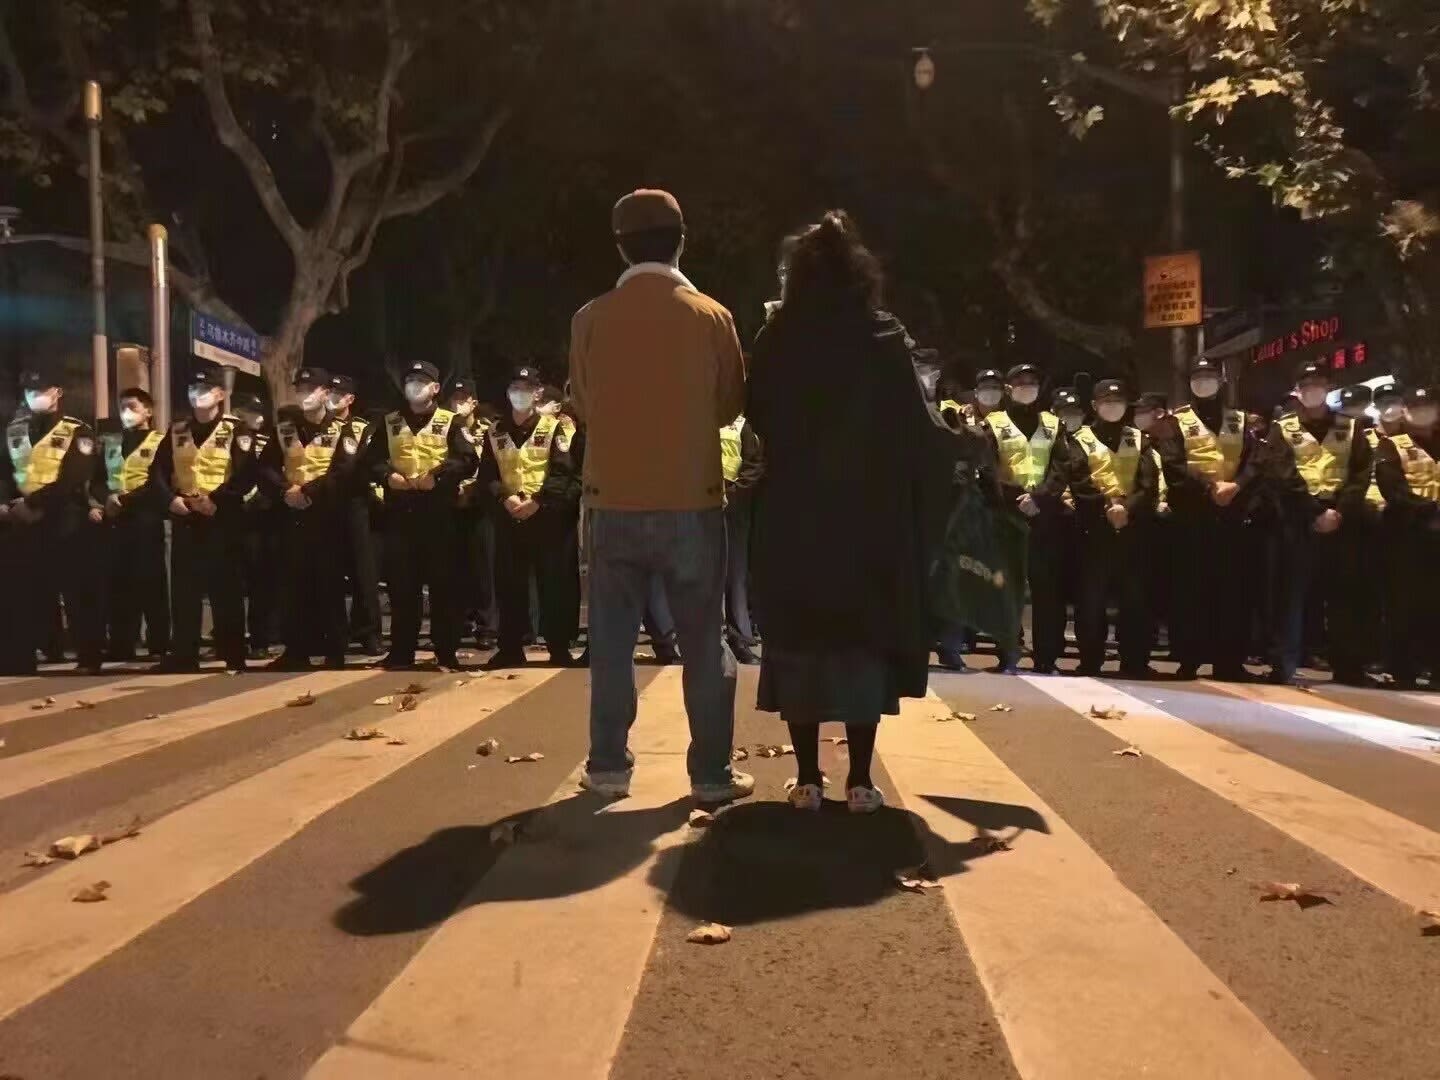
{"x": 740, "y": 785}
{"x": 864, "y": 800}
{"x": 805, "y": 796}
{"x": 610, "y": 785}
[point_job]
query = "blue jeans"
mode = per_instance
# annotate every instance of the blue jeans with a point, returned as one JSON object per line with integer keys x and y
{"x": 686, "y": 551}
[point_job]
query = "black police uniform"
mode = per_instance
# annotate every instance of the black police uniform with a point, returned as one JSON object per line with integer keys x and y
{"x": 1112, "y": 560}
{"x": 55, "y": 556}
{"x": 420, "y": 533}
{"x": 363, "y": 510}
{"x": 134, "y": 538}
{"x": 1321, "y": 567}
{"x": 1054, "y": 552}
{"x": 205, "y": 551}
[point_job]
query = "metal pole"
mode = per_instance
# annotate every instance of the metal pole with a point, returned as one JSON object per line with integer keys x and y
{"x": 1179, "y": 336}
{"x": 159, "y": 326}
{"x": 99, "y": 341}
{"x": 228, "y": 374}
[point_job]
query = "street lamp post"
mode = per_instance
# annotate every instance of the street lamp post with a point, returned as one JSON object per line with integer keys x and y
{"x": 99, "y": 341}
{"x": 160, "y": 325}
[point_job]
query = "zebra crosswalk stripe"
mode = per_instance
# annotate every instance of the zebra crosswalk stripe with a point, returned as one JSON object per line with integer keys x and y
{"x": 98, "y": 695}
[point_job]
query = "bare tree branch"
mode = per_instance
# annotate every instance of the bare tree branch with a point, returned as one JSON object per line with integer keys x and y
{"x": 428, "y": 193}
{"x": 232, "y": 135}
{"x": 19, "y": 102}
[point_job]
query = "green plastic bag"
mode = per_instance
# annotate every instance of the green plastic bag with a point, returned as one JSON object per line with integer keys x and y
{"x": 979, "y": 573}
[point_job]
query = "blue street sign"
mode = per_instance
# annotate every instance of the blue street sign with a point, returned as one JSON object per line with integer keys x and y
{"x": 233, "y": 346}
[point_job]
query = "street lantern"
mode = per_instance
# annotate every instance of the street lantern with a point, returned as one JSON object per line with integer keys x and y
{"x": 924, "y": 70}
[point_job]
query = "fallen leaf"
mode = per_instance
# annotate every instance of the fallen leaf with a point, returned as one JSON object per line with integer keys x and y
{"x": 364, "y": 734}
{"x": 1128, "y": 751}
{"x": 152, "y": 716}
{"x": 701, "y": 819}
{"x": 1304, "y": 897}
{"x": 988, "y": 841}
{"x": 512, "y": 675}
{"x": 503, "y": 834}
{"x": 916, "y": 878}
{"x": 413, "y": 688}
{"x": 525, "y": 759}
{"x": 767, "y": 751}
{"x": 1107, "y": 713}
{"x": 37, "y": 858}
{"x": 408, "y": 703}
{"x": 739, "y": 754}
{"x": 488, "y": 747}
{"x": 395, "y": 740}
{"x": 1230, "y": 871}
{"x": 1002, "y": 707}
{"x": 787, "y": 750}
{"x": 300, "y": 702}
{"x": 72, "y": 847}
{"x": 710, "y": 933}
{"x": 81, "y": 704}
{"x": 474, "y": 675}
{"x": 1305, "y": 689}
{"x": 48, "y": 703}
{"x": 838, "y": 740}
{"x": 124, "y": 832}
{"x": 92, "y": 894}
{"x": 968, "y": 717}
{"x": 462, "y": 683}
{"x": 388, "y": 699}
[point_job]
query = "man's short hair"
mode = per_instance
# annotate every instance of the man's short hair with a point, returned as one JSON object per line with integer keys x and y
{"x": 652, "y": 245}
{"x": 134, "y": 393}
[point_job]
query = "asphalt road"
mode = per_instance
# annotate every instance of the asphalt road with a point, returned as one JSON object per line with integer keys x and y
{"x": 300, "y": 904}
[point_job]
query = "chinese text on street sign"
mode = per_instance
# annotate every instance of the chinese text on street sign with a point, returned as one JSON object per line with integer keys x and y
{"x": 1172, "y": 290}
{"x": 233, "y": 346}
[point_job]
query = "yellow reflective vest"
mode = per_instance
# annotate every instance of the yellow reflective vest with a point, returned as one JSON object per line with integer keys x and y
{"x": 37, "y": 467}
{"x": 1162, "y": 486}
{"x": 127, "y": 473}
{"x": 413, "y": 454}
{"x": 1422, "y": 473}
{"x": 1372, "y": 493}
{"x": 1322, "y": 465}
{"x": 730, "y": 455}
{"x": 306, "y": 462}
{"x": 1022, "y": 462}
{"x": 1215, "y": 457}
{"x": 1112, "y": 473}
{"x": 522, "y": 468}
{"x": 203, "y": 469}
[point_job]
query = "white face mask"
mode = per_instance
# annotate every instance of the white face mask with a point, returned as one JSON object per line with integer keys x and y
{"x": 522, "y": 400}
{"x": 1073, "y": 421}
{"x": 131, "y": 418}
{"x": 1392, "y": 414}
{"x": 204, "y": 400}
{"x": 315, "y": 401}
{"x": 1422, "y": 416}
{"x": 464, "y": 408}
{"x": 1024, "y": 395}
{"x": 418, "y": 393}
{"x": 1312, "y": 397}
{"x": 1110, "y": 411}
{"x": 1205, "y": 386}
{"x": 988, "y": 398}
{"x": 39, "y": 402}
{"x": 1146, "y": 420}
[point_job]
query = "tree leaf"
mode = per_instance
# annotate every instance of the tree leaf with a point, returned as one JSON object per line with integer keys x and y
{"x": 1303, "y": 896}
{"x": 408, "y": 703}
{"x": 82, "y": 704}
{"x": 488, "y": 747}
{"x": 1127, "y": 751}
{"x": 968, "y": 717}
{"x": 709, "y": 934}
{"x": 124, "y": 832}
{"x": 72, "y": 847}
{"x": 93, "y": 893}
{"x": 388, "y": 699}
{"x": 37, "y": 858}
{"x": 1001, "y": 707}
{"x": 739, "y": 754}
{"x": 301, "y": 701}
{"x": 365, "y": 734}
{"x": 1107, "y": 713}
{"x": 525, "y": 759}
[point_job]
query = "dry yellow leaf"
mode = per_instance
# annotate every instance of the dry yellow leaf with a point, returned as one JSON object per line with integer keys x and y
{"x": 152, "y": 716}
{"x": 395, "y": 740}
{"x": 988, "y": 841}
{"x": 300, "y": 702}
{"x": 739, "y": 754}
{"x": 72, "y": 847}
{"x": 37, "y": 858}
{"x": 92, "y": 894}
{"x": 916, "y": 878}
{"x": 1002, "y": 707}
{"x": 838, "y": 740}
{"x": 512, "y": 675}
{"x": 525, "y": 759}
{"x": 709, "y": 933}
{"x": 413, "y": 688}
{"x": 1127, "y": 751}
{"x": 701, "y": 819}
{"x": 787, "y": 749}
{"x": 1107, "y": 713}
{"x": 82, "y": 704}
{"x": 1304, "y": 896}
{"x": 388, "y": 699}
{"x": 408, "y": 703}
{"x": 488, "y": 747}
{"x": 462, "y": 683}
{"x": 968, "y": 717}
{"x": 48, "y": 703}
{"x": 364, "y": 734}
{"x": 124, "y": 832}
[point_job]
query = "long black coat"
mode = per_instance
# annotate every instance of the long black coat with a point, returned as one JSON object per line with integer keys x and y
{"x": 857, "y": 469}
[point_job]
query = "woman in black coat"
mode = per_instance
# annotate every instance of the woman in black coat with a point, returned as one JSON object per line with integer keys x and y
{"x": 857, "y": 460}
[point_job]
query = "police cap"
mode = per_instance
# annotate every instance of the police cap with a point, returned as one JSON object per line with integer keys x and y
{"x": 207, "y": 376}
{"x": 1205, "y": 364}
{"x": 1313, "y": 369}
{"x": 1388, "y": 392}
{"x": 36, "y": 380}
{"x": 989, "y": 375}
{"x": 1152, "y": 400}
{"x": 1023, "y": 371}
{"x": 1350, "y": 396}
{"x": 1421, "y": 395}
{"x": 243, "y": 399}
{"x": 526, "y": 373}
{"x": 423, "y": 370}
{"x": 1109, "y": 388}
{"x": 1066, "y": 398}
{"x": 312, "y": 376}
{"x": 342, "y": 384}
{"x": 460, "y": 388}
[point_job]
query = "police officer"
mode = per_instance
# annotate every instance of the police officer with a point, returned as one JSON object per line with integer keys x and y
{"x": 1406, "y": 469}
{"x": 1356, "y": 403}
{"x": 201, "y": 473}
{"x": 135, "y": 534}
{"x": 1318, "y": 467}
{"x": 261, "y": 521}
{"x": 473, "y": 561}
{"x": 1050, "y": 607}
{"x": 420, "y": 458}
{"x": 363, "y": 507}
{"x": 742, "y": 464}
{"x": 54, "y": 528}
{"x": 1111, "y": 474}
{"x": 1211, "y": 464}
{"x": 529, "y": 471}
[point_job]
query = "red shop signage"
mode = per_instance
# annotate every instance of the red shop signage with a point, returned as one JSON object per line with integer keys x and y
{"x": 1303, "y": 336}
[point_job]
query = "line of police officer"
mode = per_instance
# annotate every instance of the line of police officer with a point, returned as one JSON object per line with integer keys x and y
{"x": 1298, "y": 520}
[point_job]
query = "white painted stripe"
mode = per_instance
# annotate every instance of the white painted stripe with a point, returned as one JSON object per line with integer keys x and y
{"x": 1393, "y": 854}
{"x": 24, "y": 772}
{"x": 96, "y": 695}
{"x": 45, "y": 939}
{"x": 1084, "y": 979}
{"x": 467, "y": 1004}
{"x": 1416, "y": 740}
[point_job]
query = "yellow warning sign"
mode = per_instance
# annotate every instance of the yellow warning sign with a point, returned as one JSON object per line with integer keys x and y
{"x": 1172, "y": 290}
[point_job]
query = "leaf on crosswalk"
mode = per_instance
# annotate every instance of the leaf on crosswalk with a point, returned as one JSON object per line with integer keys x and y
{"x": 968, "y": 717}
{"x": 838, "y": 740}
{"x": 987, "y": 841}
{"x": 123, "y": 832}
{"x": 152, "y": 716}
{"x": 710, "y": 933}
{"x": 787, "y": 750}
{"x": 462, "y": 683}
{"x": 388, "y": 699}
{"x": 72, "y": 847}
{"x": 916, "y": 878}
{"x": 1304, "y": 896}
{"x": 301, "y": 701}
{"x": 48, "y": 703}
{"x": 365, "y": 734}
{"x": 739, "y": 754}
{"x": 408, "y": 703}
{"x": 525, "y": 759}
{"x": 37, "y": 858}
{"x": 413, "y": 688}
{"x": 767, "y": 751}
{"x": 82, "y": 704}
{"x": 1108, "y": 712}
{"x": 701, "y": 819}
{"x": 1002, "y": 707}
{"x": 502, "y": 834}
{"x": 488, "y": 747}
{"x": 92, "y": 893}
{"x": 511, "y": 676}
{"x": 395, "y": 740}
{"x": 1305, "y": 689}
{"x": 1128, "y": 751}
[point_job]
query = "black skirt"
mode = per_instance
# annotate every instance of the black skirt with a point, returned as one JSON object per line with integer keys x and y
{"x": 847, "y": 686}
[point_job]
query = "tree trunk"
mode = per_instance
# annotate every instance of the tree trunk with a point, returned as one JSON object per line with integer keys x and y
{"x": 285, "y": 354}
